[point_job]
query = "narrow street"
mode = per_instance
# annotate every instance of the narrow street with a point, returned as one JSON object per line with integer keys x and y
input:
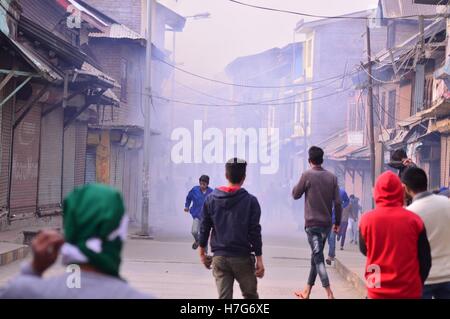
{"x": 134, "y": 131}
{"x": 170, "y": 269}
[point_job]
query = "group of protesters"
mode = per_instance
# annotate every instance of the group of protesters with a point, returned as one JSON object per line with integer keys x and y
{"x": 405, "y": 238}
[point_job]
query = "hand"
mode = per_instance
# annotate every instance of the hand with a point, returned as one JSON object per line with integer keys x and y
{"x": 336, "y": 229}
{"x": 45, "y": 247}
{"x": 205, "y": 259}
{"x": 259, "y": 272}
{"x": 186, "y": 210}
{"x": 407, "y": 162}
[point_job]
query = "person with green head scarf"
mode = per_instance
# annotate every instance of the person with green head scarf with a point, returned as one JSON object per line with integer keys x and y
{"x": 95, "y": 228}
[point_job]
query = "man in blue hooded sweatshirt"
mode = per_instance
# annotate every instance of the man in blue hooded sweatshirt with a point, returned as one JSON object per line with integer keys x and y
{"x": 231, "y": 216}
{"x": 196, "y": 197}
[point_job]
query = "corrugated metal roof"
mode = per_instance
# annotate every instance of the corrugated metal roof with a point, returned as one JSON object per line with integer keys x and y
{"x": 404, "y": 48}
{"x": 405, "y": 8}
{"x": 43, "y": 67}
{"x": 109, "y": 94}
{"x": 91, "y": 70}
{"x": 127, "y": 128}
{"x": 360, "y": 154}
{"x": 118, "y": 31}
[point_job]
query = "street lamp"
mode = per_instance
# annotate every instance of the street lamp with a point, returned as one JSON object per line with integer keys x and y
{"x": 198, "y": 16}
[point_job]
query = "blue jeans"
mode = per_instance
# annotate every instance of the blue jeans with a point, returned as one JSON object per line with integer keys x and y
{"x": 195, "y": 230}
{"x": 342, "y": 233}
{"x": 317, "y": 236}
{"x": 332, "y": 244}
{"x": 438, "y": 291}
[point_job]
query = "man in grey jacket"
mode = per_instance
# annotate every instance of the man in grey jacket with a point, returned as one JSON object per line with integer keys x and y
{"x": 321, "y": 191}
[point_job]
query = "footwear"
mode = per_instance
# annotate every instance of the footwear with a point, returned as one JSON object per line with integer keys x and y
{"x": 194, "y": 245}
{"x": 328, "y": 261}
{"x": 342, "y": 248}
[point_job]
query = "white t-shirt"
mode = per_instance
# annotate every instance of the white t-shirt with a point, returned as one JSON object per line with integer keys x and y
{"x": 435, "y": 213}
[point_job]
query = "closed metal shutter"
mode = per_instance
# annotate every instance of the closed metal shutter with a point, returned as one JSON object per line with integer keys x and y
{"x": 90, "y": 165}
{"x": 445, "y": 160}
{"x": 51, "y": 161}
{"x": 132, "y": 183}
{"x": 117, "y": 166}
{"x": 80, "y": 153}
{"x": 5, "y": 152}
{"x": 25, "y": 167}
{"x": 69, "y": 159}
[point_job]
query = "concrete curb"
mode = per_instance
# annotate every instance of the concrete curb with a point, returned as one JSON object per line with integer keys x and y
{"x": 14, "y": 255}
{"x": 352, "y": 277}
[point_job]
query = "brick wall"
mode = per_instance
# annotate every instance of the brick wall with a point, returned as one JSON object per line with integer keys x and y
{"x": 109, "y": 54}
{"x": 127, "y": 12}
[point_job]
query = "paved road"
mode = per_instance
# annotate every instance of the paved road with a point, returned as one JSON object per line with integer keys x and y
{"x": 169, "y": 268}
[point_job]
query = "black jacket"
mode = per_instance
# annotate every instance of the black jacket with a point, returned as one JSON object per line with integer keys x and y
{"x": 233, "y": 218}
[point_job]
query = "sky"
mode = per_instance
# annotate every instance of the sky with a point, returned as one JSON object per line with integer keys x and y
{"x": 206, "y": 46}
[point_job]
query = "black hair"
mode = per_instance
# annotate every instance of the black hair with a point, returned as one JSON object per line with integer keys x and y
{"x": 235, "y": 170}
{"x": 416, "y": 179}
{"x": 315, "y": 155}
{"x": 399, "y": 155}
{"x": 204, "y": 178}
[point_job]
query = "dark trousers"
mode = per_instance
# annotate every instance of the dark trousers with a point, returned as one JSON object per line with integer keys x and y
{"x": 317, "y": 237}
{"x": 437, "y": 291}
{"x": 227, "y": 269}
{"x": 342, "y": 233}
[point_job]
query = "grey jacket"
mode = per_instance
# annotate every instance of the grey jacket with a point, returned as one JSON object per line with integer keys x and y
{"x": 91, "y": 286}
{"x": 321, "y": 191}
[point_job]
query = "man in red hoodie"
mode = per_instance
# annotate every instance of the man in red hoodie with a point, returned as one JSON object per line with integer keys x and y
{"x": 395, "y": 243}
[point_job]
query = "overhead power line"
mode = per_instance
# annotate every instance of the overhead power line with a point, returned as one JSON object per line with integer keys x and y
{"x": 249, "y": 104}
{"x": 309, "y": 83}
{"x": 303, "y": 14}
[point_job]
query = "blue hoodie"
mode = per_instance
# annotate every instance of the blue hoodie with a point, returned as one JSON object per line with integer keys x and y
{"x": 197, "y": 197}
{"x": 233, "y": 216}
{"x": 345, "y": 201}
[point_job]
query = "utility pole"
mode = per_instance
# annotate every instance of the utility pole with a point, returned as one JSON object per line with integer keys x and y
{"x": 147, "y": 131}
{"x": 370, "y": 107}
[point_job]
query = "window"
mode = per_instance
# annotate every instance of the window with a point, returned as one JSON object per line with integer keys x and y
{"x": 391, "y": 108}
{"x": 123, "y": 79}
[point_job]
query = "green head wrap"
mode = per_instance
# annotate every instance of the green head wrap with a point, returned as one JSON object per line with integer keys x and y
{"x": 95, "y": 227}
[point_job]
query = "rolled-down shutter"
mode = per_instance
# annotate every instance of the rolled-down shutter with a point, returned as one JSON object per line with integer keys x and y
{"x": 445, "y": 160}
{"x": 24, "y": 181}
{"x": 117, "y": 166}
{"x": 80, "y": 153}
{"x": 90, "y": 165}
{"x": 69, "y": 159}
{"x": 132, "y": 183}
{"x": 49, "y": 197}
{"x": 5, "y": 149}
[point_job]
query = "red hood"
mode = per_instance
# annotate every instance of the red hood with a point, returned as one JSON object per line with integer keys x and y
{"x": 63, "y": 3}
{"x": 229, "y": 189}
{"x": 388, "y": 190}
